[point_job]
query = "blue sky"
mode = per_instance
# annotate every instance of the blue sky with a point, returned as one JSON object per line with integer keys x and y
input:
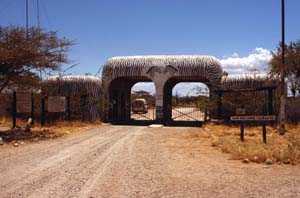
{"x": 102, "y": 29}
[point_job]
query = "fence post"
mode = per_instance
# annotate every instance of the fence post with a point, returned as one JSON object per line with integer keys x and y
{"x": 264, "y": 132}
{"x": 32, "y": 108}
{"x": 242, "y": 132}
{"x": 68, "y": 108}
{"x": 43, "y": 110}
{"x": 14, "y": 110}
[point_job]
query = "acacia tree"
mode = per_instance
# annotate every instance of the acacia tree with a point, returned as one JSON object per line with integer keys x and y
{"x": 292, "y": 64}
{"x": 24, "y": 53}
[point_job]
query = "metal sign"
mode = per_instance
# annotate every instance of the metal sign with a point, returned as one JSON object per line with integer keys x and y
{"x": 240, "y": 111}
{"x": 56, "y": 104}
{"x": 23, "y": 101}
{"x": 253, "y": 118}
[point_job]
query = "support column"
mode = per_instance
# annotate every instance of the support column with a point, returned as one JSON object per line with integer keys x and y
{"x": 159, "y": 102}
{"x": 168, "y": 103}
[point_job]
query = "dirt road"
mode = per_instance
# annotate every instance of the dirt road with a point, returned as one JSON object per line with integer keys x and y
{"x": 125, "y": 161}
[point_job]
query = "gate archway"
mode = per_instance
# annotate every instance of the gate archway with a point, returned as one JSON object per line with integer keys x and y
{"x": 142, "y": 103}
{"x": 120, "y": 72}
{"x": 185, "y": 110}
{"x": 190, "y": 101}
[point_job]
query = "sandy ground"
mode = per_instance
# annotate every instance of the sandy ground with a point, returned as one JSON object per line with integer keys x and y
{"x": 127, "y": 161}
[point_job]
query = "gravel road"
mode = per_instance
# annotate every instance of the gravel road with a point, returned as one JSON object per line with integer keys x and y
{"x": 137, "y": 161}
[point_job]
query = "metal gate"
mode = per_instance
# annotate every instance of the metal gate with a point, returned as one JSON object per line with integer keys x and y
{"x": 149, "y": 115}
{"x": 188, "y": 113}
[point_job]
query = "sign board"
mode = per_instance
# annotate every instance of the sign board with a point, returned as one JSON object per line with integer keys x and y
{"x": 56, "y": 104}
{"x": 23, "y": 100}
{"x": 253, "y": 118}
{"x": 240, "y": 111}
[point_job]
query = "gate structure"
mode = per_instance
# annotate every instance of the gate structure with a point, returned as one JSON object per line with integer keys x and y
{"x": 189, "y": 105}
{"x": 121, "y": 73}
{"x": 142, "y": 106}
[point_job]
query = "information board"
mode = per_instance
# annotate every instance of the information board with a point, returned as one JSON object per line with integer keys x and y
{"x": 253, "y": 118}
{"x": 23, "y": 101}
{"x": 56, "y": 104}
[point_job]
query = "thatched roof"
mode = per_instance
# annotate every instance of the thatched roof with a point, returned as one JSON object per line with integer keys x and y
{"x": 244, "y": 81}
{"x": 179, "y": 65}
{"x": 73, "y": 85}
{"x": 74, "y": 78}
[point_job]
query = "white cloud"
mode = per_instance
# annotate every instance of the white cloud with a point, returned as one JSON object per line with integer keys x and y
{"x": 182, "y": 89}
{"x": 190, "y": 89}
{"x": 145, "y": 86}
{"x": 257, "y": 60}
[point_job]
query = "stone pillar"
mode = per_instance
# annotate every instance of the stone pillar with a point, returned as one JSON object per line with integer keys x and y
{"x": 159, "y": 77}
{"x": 168, "y": 102}
{"x": 159, "y": 96}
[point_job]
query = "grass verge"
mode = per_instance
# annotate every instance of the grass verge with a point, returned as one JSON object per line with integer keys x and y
{"x": 279, "y": 149}
{"x": 18, "y": 136}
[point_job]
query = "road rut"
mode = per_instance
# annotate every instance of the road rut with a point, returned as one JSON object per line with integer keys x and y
{"x": 137, "y": 161}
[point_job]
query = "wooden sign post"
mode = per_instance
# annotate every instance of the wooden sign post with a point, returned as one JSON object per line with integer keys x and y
{"x": 241, "y": 111}
{"x": 22, "y": 103}
{"x": 262, "y": 119}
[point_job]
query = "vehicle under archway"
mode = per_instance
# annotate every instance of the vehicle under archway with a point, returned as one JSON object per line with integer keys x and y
{"x": 142, "y": 102}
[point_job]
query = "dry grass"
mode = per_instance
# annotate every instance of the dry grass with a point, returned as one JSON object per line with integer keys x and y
{"x": 49, "y": 131}
{"x": 280, "y": 149}
{"x": 67, "y": 127}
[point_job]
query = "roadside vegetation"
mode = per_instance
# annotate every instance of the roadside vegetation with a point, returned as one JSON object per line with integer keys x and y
{"x": 279, "y": 149}
{"x": 18, "y": 136}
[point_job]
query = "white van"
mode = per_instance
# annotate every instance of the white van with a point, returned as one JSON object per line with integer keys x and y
{"x": 139, "y": 105}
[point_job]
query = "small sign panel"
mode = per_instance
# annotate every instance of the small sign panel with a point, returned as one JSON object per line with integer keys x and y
{"x": 23, "y": 101}
{"x": 253, "y": 118}
{"x": 240, "y": 111}
{"x": 56, "y": 104}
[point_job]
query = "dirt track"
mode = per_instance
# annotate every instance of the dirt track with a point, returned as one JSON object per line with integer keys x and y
{"x": 124, "y": 161}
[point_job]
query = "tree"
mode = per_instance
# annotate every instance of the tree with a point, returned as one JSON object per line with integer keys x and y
{"x": 292, "y": 64}
{"x": 25, "y": 53}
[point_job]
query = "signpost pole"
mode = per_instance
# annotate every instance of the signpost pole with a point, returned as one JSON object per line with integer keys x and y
{"x": 242, "y": 131}
{"x": 261, "y": 119}
{"x": 264, "y": 131}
